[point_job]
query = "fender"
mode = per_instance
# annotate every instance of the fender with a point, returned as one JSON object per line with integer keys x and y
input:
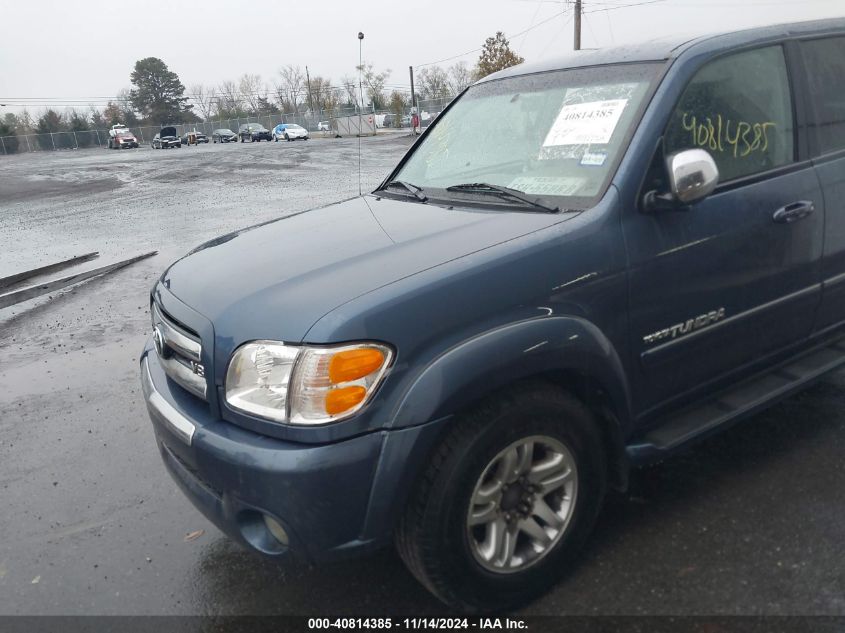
{"x": 492, "y": 360}
{"x": 469, "y": 371}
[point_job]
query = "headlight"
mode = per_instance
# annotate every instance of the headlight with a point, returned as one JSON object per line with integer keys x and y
{"x": 305, "y": 385}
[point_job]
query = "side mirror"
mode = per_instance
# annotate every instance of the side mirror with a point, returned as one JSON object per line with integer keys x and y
{"x": 693, "y": 175}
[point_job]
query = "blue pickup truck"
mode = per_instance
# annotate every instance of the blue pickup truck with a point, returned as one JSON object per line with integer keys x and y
{"x": 465, "y": 360}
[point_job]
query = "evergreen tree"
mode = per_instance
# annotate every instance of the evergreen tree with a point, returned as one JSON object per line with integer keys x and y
{"x": 496, "y": 55}
{"x": 8, "y": 130}
{"x": 158, "y": 94}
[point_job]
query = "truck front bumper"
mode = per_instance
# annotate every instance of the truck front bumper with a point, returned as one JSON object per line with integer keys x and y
{"x": 330, "y": 500}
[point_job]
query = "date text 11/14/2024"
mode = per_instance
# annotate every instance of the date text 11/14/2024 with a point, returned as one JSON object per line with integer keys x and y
{"x": 356, "y": 624}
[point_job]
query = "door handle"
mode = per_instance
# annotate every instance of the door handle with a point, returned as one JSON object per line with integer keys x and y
{"x": 792, "y": 212}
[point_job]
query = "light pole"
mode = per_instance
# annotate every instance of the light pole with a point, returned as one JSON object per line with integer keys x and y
{"x": 360, "y": 77}
{"x": 361, "y": 92}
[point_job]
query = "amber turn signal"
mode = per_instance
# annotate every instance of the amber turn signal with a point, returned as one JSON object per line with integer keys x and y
{"x": 353, "y": 364}
{"x": 343, "y": 399}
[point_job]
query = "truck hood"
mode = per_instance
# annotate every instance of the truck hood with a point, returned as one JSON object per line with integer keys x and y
{"x": 277, "y": 279}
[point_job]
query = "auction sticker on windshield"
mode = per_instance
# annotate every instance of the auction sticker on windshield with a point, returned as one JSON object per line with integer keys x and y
{"x": 547, "y": 185}
{"x": 585, "y": 123}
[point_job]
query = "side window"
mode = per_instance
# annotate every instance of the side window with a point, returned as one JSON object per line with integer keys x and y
{"x": 825, "y": 60}
{"x": 739, "y": 109}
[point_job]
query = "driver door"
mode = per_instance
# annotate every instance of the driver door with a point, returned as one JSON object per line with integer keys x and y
{"x": 717, "y": 288}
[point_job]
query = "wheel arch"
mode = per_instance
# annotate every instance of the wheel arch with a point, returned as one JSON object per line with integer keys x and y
{"x": 578, "y": 359}
{"x": 569, "y": 351}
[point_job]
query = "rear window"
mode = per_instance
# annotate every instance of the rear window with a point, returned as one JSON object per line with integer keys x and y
{"x": 825, "y": 61}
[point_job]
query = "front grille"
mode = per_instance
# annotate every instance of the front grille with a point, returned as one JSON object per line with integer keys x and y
{"x": 180, "y": 352}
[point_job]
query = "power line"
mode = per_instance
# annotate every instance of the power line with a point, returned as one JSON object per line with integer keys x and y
{"x": 624, "y": 6}
{"x": 592, "y": 32}
{"x": 610, "y": 7}
{"x": 556, "y": 35}
{"x": 533, "y": 17}
{"x": 475, "y": 50}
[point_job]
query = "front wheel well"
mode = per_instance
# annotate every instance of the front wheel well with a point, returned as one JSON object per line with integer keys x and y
{"x": 590, "y": 392}
{"x": 596, "y": 397}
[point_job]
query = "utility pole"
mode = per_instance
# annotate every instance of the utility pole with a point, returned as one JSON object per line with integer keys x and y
{"x": 308, "y": 83}
{"x": 577, "y": 25}
{"x": 413, "y": 95}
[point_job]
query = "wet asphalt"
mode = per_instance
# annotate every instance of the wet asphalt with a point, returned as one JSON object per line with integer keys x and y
{"x": 751, "y": 522}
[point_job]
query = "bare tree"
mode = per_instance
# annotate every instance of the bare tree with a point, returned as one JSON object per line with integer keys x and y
{"x": 350, "y": 89}
{"x": 252, "y": 91}
{"x": 229, "y": 102}
{"x": 460, "y": 76}
{"x": 127, "y": 112}
{"x": 290, "y": 91}
{"x": 374, "y": 81}
{"x": 323, "y": 94}
{"x": 205, "y": 100}
{"x": 434, "y": 83}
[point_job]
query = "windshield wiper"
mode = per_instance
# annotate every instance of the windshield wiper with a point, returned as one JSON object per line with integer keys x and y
{"x": 503, "y": 192}
{"x": 413, "y": 189}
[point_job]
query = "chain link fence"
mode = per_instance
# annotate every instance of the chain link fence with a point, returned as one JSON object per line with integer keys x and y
{"x": 80, "y": 139}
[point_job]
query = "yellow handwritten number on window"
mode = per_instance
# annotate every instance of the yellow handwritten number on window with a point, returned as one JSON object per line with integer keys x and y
{"x": 718, "y": 133}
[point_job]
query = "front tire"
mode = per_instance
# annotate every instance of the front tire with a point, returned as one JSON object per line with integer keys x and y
{"x": 506, "y": 501}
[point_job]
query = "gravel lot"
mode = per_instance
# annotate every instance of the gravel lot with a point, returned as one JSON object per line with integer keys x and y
{"x": 751, "y": 522}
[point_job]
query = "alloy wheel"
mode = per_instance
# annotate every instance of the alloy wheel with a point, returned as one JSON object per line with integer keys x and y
{"x": 522, "y": 503}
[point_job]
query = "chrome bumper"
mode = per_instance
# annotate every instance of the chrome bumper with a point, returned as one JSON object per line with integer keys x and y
{"x": 181, "y": 426}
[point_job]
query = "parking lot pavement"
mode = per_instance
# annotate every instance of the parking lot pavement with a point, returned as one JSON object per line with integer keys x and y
{"x": 751, "y": 522}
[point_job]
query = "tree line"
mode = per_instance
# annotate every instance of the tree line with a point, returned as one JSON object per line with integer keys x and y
{"x": 158, "y": 96}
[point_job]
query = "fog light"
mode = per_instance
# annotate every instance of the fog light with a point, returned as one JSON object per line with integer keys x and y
{"x": 276, "y": 530}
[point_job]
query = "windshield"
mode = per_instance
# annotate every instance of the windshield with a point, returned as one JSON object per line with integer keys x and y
{"x": 550, "y": 135}
{"x": 225, "y": 131}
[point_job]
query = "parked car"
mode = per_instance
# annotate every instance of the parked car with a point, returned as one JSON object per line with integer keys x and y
{"x": 166, "y": 138}
{"x": 428, "y": 118}
{"x": 389, "y": 120}
{"x": 324, "y": 126}
{"x": 224, "y": 135}
{"x": 464, "y": 361}
{"x": 406, "y": 121}
{"x": 254, "y": 132}
{"x": 200, "y": 137}
{"x": 289, "y": 132}
{"x": 120, "y": 137}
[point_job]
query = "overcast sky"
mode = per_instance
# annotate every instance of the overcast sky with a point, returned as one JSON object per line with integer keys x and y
{"x": 85, "y": 49}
